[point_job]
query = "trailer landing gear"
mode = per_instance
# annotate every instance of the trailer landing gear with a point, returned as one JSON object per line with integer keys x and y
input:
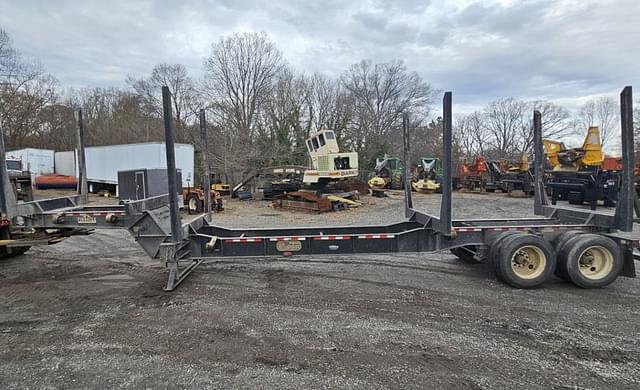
{"x": 172, "y": 252}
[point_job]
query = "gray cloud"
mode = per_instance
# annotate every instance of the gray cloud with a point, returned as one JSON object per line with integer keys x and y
{"x": 481, "y": 50}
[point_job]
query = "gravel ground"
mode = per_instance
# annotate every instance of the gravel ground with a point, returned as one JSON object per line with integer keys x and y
{"x": 90, "y": 313}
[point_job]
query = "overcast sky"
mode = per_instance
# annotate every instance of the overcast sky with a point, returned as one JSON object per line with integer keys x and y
{"x": 564, "y": 50}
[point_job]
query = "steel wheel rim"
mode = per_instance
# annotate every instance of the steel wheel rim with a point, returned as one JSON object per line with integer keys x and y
{"x": 595, "y": 262}
{"x": 193, "y": 206}
{"x": 528, "y": 262}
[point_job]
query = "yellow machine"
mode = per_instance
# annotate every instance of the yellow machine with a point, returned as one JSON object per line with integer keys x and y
{"x": 377, "y": 182}
{"x": 222, "y": 188}
{"x": 589, "y": 155}
{"x": 425, "y": 185}
{"x": 522, "y": 166}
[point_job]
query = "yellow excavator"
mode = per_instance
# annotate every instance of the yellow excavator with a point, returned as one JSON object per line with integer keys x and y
{"x": 579, "y": 175}
{"x": 589, "y": 155}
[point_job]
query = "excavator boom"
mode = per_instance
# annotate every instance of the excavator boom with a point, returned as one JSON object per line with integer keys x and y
{"x": 593, "y": 155}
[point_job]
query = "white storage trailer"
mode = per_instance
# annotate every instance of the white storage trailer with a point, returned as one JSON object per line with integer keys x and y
{"x": 104, "y": 162}
{"x": 37, "y": 161}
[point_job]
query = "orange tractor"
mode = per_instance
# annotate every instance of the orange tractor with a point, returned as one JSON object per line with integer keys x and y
{"x": 194, "y": 200}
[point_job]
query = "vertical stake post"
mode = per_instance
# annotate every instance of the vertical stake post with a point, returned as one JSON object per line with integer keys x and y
{"x": 447, "y": 162}
{"x": 7, "y": 196}
{"x": 624, "y": 205}
{"x": 408, "y": 202}
{"x": 83, "y": 189}
{"x": 176, "y": 225}
{"x": 205, "y": 160}
{"x": 539, "y": 194}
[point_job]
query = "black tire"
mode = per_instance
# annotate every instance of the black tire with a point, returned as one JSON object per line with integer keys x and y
{"x": 592, "y": 260}
{"x": 195, "y": 204}
{"x": 396, "y": 182}
{"x": 495, "y": 246}
{"x": 560, "y": 245}
{"x": 525, "y": 261}
{"x": 466, "y": 254}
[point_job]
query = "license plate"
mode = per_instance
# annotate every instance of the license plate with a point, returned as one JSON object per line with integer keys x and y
{"x": 86, "y": 219}
{"x": 289, "y": 246}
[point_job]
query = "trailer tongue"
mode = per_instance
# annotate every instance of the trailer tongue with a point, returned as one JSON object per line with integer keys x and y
{"x": 524, "y": 253}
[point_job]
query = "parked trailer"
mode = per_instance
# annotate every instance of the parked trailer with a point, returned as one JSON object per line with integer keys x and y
{"x": 586, "y": 247}
{"x": 36, "y": 161}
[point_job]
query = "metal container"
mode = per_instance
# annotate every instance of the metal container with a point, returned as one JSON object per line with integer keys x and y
{"x": 140, "y": 184}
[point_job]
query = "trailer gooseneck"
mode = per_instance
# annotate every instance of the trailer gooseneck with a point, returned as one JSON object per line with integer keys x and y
{"x": 587, "y": 247}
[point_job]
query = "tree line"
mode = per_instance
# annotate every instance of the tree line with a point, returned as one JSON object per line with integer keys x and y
{"x": 260, "y": 110}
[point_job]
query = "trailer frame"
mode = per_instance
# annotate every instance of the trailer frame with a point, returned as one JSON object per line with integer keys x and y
{"x": 156, "y": 225}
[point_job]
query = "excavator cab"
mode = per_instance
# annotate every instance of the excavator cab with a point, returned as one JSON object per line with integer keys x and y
{"x": 552, "y": 149}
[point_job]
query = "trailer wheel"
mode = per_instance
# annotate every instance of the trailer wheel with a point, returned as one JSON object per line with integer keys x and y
{"x": 525, "y": 261}
{"x": 560, "y": 245}
{"x": 466, "y": 253}
{"x": 195, "y": 204}
{"x": 591, "y": 260}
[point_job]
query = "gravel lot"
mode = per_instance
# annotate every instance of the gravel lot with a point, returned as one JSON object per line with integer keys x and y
{"x": 90, "y": 313}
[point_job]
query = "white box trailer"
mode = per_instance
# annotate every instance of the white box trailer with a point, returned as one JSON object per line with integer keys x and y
{"x": 104, "y": 162}
{"x": 37, "y": 161}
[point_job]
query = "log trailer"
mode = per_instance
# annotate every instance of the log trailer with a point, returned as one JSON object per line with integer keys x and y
{"x": 587, "y": 247}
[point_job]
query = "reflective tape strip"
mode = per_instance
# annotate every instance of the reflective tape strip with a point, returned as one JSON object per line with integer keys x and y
{"x": 375, "y": 236}
{"x": 94, "y": 214}
{"x": 287, "y": 239}
{"x": 467, "y": 229}
{"x": 331, "y": 238}
{"x": 518, "y": 228}
{"x": 243, "y": 240}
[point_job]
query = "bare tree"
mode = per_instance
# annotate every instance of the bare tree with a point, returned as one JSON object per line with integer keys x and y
{"x": 7, "y": 53}
{"x": 504, "y": 119}
{"x": 282, "y": 131}
{"x": 25, "y": 89}
{"x": 602, "y": 112}
{"x": 381, "y": 92}
{"x": 239, "y": 75}
{"x": 470, "y": 134}
{"x": 556, "y": 123}
{"x": 185, "y": 99}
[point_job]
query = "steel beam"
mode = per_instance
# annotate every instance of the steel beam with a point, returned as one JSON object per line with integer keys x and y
{"x": 176, "y": 225}
{"x": 83, "y": 189}
{"x": 624, "y": 205}
{"x": 205, "y": 159}
{"x": 444, "y": 225}
{"x": 408, "y": 202}
{"x": 8, "y": 201}
{"x": 540, "y": 196}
